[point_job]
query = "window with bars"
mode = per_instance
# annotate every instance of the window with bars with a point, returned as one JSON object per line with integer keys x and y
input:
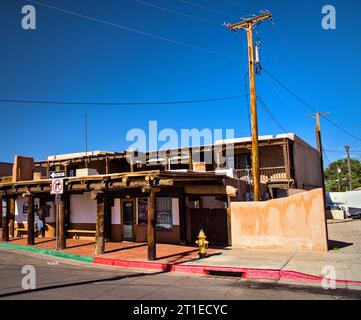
{"x": 164, "y": 216}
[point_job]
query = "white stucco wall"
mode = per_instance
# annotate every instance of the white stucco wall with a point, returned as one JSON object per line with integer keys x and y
{"x": 82, "y": 208}
{"x": 175, "y": 209}
{"x": 23, "y": 218}
{"x": 116, "y": 212}
{"x": 19, "y": 216}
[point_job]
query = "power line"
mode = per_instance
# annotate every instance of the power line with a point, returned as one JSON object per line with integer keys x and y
{"x": 208, "y": 9}
{"x": 177, "y": 12}
{"x": 336, "y": 151}
{"x": 271, "y": 114}
{"x": 325, "y": 153}
{"x": 309, "y": 106}
{"x": 239, "y": 5}
{"x": 134, "y": 30}
{"x": 137, "y": 103}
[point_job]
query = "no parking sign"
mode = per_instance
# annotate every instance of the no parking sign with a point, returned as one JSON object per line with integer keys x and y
{"x": 57, "y": 186}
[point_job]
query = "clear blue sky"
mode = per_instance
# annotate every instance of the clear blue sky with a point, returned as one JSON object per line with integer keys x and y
{"x": 69, "y": 58}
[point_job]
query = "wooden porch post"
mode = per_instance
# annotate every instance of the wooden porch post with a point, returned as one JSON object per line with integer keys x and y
{"x": 5, "y": 219}
{"x": 229, "y": 225}
{"x": 31, "y": 219}
{"x": 61, "y": 224}
{"x": 106, "y": 165}
{"x": 182, "y": 218}
{"x": 67, "y": 212}
{"x": 107, "y": 219}
{"x": 151, "y": 234}
{"x": 11, "y": 217}
{"x": 190, "y": 159}
{"x": 99, "y": 235}
{"x": 287, "y": 159}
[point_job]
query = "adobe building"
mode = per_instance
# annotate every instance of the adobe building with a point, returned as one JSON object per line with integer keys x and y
{"x": 114, "y": 199}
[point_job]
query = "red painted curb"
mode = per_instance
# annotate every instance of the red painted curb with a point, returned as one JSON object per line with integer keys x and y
{"x": 247, "y": 273}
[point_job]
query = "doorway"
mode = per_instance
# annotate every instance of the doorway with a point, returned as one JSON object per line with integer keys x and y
{"x": 128, "y": 209}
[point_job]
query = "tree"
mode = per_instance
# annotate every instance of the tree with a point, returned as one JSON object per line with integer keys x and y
{"x": 332, "y": 175}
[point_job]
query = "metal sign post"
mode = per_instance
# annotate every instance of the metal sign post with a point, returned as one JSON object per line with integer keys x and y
{"x": 57, "y": 203}
{"x": 57, "y": 188}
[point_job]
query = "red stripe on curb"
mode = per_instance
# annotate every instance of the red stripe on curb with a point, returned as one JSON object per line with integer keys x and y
{"x": 248, "y": 273}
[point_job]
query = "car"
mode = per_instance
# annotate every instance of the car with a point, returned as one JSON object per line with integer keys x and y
{"x": 354, "y": 213}
{"x": 335, "y": 212}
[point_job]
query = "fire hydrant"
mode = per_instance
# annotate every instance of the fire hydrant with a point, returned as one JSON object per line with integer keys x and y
{"x": 202, "y": 244}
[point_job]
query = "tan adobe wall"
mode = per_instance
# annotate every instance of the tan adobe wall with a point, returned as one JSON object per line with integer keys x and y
{"x": 23, "y": 169}
{"x": 307, "y": 166}
{"x": 296, "y": 222}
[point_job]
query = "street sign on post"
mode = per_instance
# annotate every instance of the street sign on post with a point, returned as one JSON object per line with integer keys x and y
{"x": 57, "y": 186}
{"x": 57, "y": 174}
{"x": 57, "y": 199}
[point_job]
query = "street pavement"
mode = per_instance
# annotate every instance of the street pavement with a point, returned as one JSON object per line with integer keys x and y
{"x": 61, "y": 279}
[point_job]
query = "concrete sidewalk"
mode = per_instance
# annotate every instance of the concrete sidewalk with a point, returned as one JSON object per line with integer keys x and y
{"x": 344, "y": 256}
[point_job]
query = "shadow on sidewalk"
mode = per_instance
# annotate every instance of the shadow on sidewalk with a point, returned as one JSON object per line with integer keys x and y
{"x": 334, "y": 244}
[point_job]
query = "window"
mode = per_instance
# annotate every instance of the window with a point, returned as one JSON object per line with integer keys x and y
{"x": 242, "y": 161}
{"x": 164, "y": 218}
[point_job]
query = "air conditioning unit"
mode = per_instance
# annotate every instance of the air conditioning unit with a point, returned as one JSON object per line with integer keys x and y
{"x": 86, "y": 172}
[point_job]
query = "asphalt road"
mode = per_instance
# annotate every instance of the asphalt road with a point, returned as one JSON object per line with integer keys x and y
{"x": 57, "y": 279}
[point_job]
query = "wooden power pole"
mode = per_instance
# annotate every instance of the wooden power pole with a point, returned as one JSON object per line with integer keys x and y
{"x": 249, "y": 25}
{"x": 349, "y": 166}
{"x": 318, "y": 116}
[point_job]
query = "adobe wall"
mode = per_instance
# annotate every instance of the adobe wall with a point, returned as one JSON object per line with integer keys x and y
{"x": 307, "y": 166}
{"x": 6, "y": 169}
{"x": 296, "y": 222}
{"x": 23, "y": 169}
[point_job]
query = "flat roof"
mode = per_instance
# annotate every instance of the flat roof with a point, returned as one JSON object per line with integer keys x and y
{"x": 79, "y": 155}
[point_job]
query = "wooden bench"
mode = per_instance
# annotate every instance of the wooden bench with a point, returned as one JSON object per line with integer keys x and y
{"x": 19, "y": 231}
{"x": 77, "y": 233}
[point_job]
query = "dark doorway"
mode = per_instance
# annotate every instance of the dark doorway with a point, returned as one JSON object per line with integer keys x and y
{"x": 128, "y": 220}
{"x": 214, "y": 224}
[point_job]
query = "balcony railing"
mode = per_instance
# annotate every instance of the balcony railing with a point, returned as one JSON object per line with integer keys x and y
{"x": 267, "y": 174}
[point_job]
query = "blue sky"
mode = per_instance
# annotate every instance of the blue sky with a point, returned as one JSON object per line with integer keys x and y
{"x": 69, "y": 58}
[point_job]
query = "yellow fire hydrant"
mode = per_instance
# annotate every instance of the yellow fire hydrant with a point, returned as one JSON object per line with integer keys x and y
{"x": 202, "y": 244}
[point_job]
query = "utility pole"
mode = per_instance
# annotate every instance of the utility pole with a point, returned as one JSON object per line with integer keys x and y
{"x": 249, "y": 25}
{"x": 349, "y": 166}
{"x": 318, "y": 116}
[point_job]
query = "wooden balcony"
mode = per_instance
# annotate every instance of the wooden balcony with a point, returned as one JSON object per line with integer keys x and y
{"x": 267, "y": 174}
